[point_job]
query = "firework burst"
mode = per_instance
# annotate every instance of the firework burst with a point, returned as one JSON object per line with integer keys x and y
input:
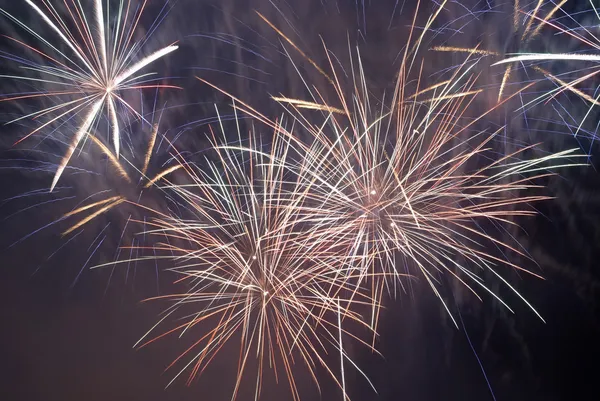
{"x": 280, "y": 243}
{"x": 254, "y": 269}
{"x": 86, "y": 81}
{"x": 405, "y": 188}
{"x": 411, "y": 184}
{"x": 108, "y": 197}
{"x": 123, "y": 200}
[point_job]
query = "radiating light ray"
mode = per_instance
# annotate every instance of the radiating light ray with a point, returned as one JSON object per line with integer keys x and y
{"x": 92, "y": 216}
{"x": 288, "y": 40}
{"x": 103, "y": 65}
{"x": 91, "y": 205}
{"x": 150, "y": 149}
{"x": 303, "y": 104}
{"x": 162, "y": 174}
{"x": 505, "y": 78}
{"x": 113, "y": 159}
{"x": 531, "y": 19}
{"x": 453, "y": 49}
{"x": 552, "y": 12}
{"x": 81, "y": 132}
{"x": 516, "y": 14}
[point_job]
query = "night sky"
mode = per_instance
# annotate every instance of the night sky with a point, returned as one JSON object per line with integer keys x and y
{"x": 67, "y": 332}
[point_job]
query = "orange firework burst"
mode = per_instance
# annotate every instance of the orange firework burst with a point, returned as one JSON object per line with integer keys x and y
{"x": 402, "y": 186}
{"x": 254, "y": 268}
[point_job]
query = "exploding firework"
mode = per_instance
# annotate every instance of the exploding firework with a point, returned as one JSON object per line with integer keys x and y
{"x": 253, "y": 268}
{"x": 86, "y": 81}
{"x": 410, "y": 185}
{"x": 349, "y": 201}
{"x": 405, "y": 188}
{"x": 128, "y": 194}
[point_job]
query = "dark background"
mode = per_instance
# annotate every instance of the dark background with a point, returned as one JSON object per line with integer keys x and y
{"x": 67, "y": 340}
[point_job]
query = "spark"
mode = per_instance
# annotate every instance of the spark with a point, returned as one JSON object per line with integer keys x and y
{"x": 549, "y": 57}
{"x": 504, "y": 81}
{"x": 568, "y": 86}
{"x": 92, "y": 216}
{"x": 302, "y": 104}
{"x": 470, "y": 50}
{"x": 150, "y": 148}
{"x": 539, "y": 27}
{"x": 161, "y": 175}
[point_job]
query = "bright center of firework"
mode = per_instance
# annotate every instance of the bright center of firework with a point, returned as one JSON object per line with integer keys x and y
{"x": 261, "y": 286}
{"x": 375, "y": 211}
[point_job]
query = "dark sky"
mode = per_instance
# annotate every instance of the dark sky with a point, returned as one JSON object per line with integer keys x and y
{"x": 63, "y": 343}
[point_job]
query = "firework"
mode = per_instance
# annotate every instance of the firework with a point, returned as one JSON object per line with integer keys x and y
{"x": 402, "y": 187}
{"x": 253, "y": 268}
{"x": 132, "y": 189}
{"x": 109, "y": 195}
{"x": 87, "y": 81}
